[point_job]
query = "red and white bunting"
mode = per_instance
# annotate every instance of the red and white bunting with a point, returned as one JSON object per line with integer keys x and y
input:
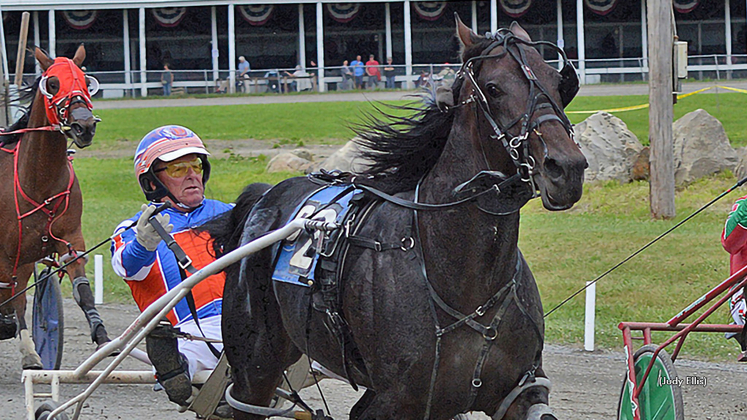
{"x": 80, "y": 19}
{"x": 429, "y": 10}
{"x": 169, "y": 16}
{"x": 256, "y": 15}
{"x": 343, "y": 12}
{"x": 515, "y": 8}
{"x": 601, "y": 7}
{"x": 685, "y": 6}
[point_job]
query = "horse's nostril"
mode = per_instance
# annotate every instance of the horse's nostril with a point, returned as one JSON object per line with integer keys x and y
{"x": 552, "y": 169}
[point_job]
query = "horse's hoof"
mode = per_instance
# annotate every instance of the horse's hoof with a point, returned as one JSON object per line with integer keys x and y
{"x": 33, "y": 366}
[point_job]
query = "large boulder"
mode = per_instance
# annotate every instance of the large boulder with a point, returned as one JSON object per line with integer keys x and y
{"x": 741, "y": 170}
{"x": 347, "y": 159}
{"x": 288, "y": 162}
{"x": 701, "y": 147}
{"x": 610, "y": 148}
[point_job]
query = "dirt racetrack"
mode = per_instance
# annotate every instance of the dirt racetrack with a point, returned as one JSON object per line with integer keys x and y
{"x": 585, "y": 385}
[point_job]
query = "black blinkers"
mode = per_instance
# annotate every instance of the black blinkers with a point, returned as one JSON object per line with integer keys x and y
{"x": 569, "y": 83}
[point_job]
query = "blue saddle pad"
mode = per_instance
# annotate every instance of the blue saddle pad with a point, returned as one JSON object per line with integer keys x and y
{"x": 295, "y": 263}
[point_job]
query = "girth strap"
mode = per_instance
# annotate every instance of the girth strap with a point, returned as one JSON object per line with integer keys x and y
{"x": 524, "y": 384}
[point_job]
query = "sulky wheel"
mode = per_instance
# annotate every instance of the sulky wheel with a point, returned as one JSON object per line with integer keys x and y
{"x": 660, "y": 399}
{"x": 42, "y": 413}
{"x": 48, "y": 320}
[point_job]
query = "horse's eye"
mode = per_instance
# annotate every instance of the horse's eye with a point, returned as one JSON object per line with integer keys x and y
{"x": 493, "y": 90}
{"x": 53, "y": 85}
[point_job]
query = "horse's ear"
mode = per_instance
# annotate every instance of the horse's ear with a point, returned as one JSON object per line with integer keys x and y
{"x": 42, "y": 58}
{"x": 519, "y": 32}
{"x": 80, "y": 55}
{"x": 465, "y": 34}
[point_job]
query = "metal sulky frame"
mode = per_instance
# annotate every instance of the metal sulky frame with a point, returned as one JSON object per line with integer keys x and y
{"x": 144, "y": 323}
{"x": 652, "y": 389}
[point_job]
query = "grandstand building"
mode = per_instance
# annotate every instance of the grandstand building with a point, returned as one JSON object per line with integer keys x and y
{"x": 128, "y": 41}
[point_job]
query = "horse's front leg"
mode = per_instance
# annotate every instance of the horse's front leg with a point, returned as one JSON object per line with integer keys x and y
{"x": 82, "y": 289}
{"x": 29, "y": 358}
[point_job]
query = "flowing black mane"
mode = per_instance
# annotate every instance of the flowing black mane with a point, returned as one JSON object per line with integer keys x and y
{"x": 404, "y": 148}
{"x": 27, "y": 93}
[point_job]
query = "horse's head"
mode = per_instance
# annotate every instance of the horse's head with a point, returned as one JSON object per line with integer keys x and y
{"x": 521, "y": 124}
{"x": 67, "y": 95}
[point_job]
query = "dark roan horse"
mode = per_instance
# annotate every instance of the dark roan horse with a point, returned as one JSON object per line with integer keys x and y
{"x": 434, "y": 310}
{"x": 42, "y": 201}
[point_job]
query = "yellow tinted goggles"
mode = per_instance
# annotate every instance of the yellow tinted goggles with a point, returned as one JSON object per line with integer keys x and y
{"x": 180, "y": 169}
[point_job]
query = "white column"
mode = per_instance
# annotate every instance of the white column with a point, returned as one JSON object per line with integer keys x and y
{"x": 231, "y": 48}
{"x": 474, "y": 16}
{"x": 3, "y": 51}
{"x": 37, "y": 40}
{"x": 727, "y": 29}
{"x": 408, "y": 45}
{"x": 301, "y": 37}
{"x": 581, "y": 45}
{"x": 561, "y": 39}
{"x": 214, "y": 42}
{"x": 320, "y": 45}
{"x": 590, "y": 315}
{"x": 644, "y": 35}
{"x": 493, "y": 15}
{"x": 127, "y": 54}
{"x": 388, "y": 29}
{"x": 143, "y": 55}
{"x": 52, "y": 35}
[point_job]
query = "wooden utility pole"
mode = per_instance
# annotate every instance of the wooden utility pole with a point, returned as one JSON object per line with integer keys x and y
{"x": 21, "y": 56}
{"x": 661, "y": 109}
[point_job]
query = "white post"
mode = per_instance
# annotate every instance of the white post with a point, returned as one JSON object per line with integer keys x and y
{"x": 231, "y": 48}
{"x": 581, "y": 45}
{"x": 388, "y": 30}
{"x": 127, "y": 53}
{"x": 591, "y": 296}
{"x": 3, "y": 51}
{"x": 474, "y": 17}
{"x": 214, "y": 53}
{"x": 644, "y": 35}
{"x": 301, "y": 38}
{"x": 494, "y": 15}
{"x": 320, "y": 45}
{"x": 727, "y": 30}
{"x": 561, "y": 36}
{"x": 98, "y": 277}
{"x": 37, "y": 41}
{"x": 52, "y": 34}
{"x": 143, "y": 57}
{"x": 408, "y": 45}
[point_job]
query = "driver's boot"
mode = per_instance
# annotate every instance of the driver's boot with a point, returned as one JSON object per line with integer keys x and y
{"x": 171, "y": 367}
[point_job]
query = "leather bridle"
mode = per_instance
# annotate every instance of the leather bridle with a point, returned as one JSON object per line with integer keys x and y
{"x": 516, "y": 145}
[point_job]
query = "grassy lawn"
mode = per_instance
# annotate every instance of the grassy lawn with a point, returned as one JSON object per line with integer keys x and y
{"x": 328, "y": 122}
{"x": 564, "y": 249}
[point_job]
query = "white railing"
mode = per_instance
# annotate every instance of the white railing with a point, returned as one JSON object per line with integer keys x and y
{"x": 117, "y": 84}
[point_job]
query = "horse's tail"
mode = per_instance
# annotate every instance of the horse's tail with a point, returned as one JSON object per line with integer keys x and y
{"x": 226, "y": 229}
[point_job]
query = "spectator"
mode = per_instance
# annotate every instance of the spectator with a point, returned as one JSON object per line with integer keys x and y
{"x": 389, "y": 73}
{"x": 373, "y": 72}
{"x": 301, "y": 80}
{"x": 358, "y": 70}
{"x": 243, "y": 75}
{"x": 167, "y": 78}
{"x": 347, "y": 75}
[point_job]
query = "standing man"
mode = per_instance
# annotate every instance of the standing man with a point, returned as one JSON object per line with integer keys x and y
{"x": 171, "y": 165}
{"x": 358, "y": 71}
{"x": 167, "y": 78}
{"x": 243, "y": 70}
{"x": 373, "y": 72}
